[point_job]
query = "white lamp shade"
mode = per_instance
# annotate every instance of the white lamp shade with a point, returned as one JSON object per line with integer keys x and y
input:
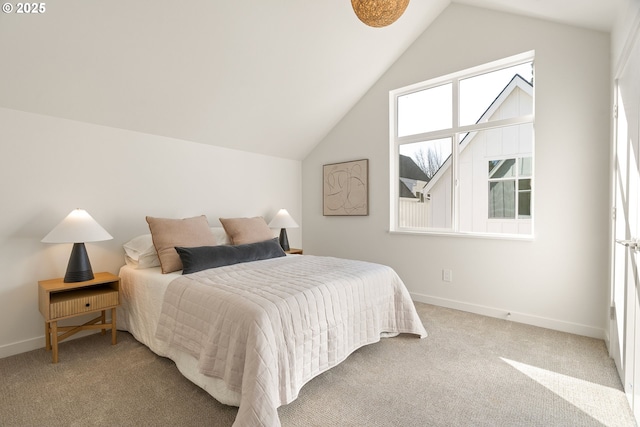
{"x": 77, "y": 227}
{"x": 283, "y": 220}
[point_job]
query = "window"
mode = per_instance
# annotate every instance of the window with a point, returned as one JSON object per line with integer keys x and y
{"x": 462, "y": 152}
{"x": 505, "y": 176}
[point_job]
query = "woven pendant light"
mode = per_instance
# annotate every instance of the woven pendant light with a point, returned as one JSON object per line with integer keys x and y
{"x": 379, "y": 13}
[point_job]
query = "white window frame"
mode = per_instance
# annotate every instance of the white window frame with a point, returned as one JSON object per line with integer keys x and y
{"x": 456, "y": 133}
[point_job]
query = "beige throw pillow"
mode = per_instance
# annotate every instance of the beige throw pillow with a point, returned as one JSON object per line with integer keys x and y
{"x": 247, "y": 230}
{"x": 168, "y": 233}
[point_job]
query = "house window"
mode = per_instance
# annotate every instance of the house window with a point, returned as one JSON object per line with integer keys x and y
{"x": 462, "y": 152}
{"x": 510, "y": 188}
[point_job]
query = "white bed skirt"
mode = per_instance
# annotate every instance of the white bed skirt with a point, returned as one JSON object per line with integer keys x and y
{"x": 142, "y": 293}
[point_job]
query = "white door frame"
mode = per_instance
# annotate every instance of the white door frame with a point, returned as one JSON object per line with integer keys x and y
{"x": 624, "y": 342}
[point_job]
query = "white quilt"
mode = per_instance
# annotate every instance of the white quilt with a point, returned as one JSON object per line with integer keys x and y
{"x": 267, "y": 327}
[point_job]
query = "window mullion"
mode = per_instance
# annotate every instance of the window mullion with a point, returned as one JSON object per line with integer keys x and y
{"x": 455, "y": 199}
{"x": 496, "y": 124}
{"x": 517, "y": 189}
{"x": 445, "y": 133}
{"x": 394, "y": 162}
{"x": 440, "y": 134}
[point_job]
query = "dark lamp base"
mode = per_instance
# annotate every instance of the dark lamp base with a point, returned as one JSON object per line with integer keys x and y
{"x": 284, "y": 240}
{"x": 79, "y": 267}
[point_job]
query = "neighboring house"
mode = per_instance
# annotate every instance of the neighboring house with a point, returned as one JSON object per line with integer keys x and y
{"x": 495, "y": 178}
{"x": 412, "y": 205}
{"x": 412, "y": 178}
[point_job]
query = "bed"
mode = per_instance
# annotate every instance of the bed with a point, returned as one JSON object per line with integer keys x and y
{"x": 253, "y": 333}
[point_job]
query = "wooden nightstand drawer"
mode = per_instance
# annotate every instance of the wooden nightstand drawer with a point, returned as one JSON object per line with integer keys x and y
{"x": 59, "y": 300}
{"x": 79, "y": 301}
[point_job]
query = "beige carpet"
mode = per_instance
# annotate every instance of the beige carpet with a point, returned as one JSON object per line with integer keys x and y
{"x": 470, "y": 371}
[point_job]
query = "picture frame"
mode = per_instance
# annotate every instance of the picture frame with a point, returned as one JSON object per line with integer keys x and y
{"x": 345, "y": 188}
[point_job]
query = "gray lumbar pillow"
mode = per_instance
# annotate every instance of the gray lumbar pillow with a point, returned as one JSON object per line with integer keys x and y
{"x": 204, "y": 257}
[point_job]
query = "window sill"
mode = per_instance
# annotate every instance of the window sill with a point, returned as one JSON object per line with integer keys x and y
{"x": 525, "y": 238}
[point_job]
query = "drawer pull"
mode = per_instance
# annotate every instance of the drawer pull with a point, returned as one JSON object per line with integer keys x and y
{"x": 87, "y": 305}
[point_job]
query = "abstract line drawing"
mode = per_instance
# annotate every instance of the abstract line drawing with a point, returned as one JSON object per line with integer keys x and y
{"x": 346, "y": 188}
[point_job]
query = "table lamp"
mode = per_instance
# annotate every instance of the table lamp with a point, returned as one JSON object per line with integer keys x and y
{"x": 77, "y": 228}
{"x": 283, "y": 220}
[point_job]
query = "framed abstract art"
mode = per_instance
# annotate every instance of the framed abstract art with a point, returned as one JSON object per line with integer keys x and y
{"x": 345, "y": 188}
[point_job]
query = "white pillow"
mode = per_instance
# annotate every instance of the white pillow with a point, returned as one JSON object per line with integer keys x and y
{"x": 222, "y": 238}
{"x": 141, "y": 253}
{"x": 137, "y": 246}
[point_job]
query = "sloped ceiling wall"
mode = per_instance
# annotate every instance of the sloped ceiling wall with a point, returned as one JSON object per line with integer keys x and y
{"x": 271, "y": 77}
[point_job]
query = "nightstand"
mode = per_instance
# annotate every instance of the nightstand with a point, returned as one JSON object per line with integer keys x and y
{"x": 294, "y": 251}
{"x": 58, "y": 300}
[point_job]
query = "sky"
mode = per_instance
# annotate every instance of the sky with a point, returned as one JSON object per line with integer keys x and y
{"x": 477, "y": 93}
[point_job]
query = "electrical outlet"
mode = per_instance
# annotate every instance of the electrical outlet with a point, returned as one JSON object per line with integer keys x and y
{"x": 447, "y": 275}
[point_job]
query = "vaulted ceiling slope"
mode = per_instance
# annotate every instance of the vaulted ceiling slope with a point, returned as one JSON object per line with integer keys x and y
{"x": 271, "y": 77}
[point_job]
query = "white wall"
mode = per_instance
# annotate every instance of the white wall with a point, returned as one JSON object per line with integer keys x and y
{"x": 50, "y": 166}
{"x": 559, "y": 279}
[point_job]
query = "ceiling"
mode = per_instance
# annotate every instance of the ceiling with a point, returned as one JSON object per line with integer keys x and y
{"x": 271, "y": 77}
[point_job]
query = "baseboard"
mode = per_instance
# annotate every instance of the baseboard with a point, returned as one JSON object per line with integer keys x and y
{"x": 39, "y": 342}
{"x": 21, "y": 347}
{"x": 36, "y": 343}
{"x": 543, "y": 322}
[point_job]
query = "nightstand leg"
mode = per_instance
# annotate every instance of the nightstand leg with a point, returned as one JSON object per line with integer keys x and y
{"x": 54, "y": 339}
{"x": 47, "y": 336}
{"x": 113, "y": 327}
{"x": 103, "y": 319}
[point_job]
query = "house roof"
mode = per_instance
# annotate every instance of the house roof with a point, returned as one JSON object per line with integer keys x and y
{"x": 516, "y": 81}
{"x": 405, "y": 192}
{"x": 409, "y": 169}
